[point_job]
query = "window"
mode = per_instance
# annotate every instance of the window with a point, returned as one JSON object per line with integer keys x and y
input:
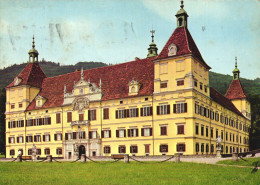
{"x": 147, "y": 149}
{"x": 12, "y": 152}
{"x": 38, "y": 151}
{"x": 207, "y": 131}
{"x": 92, "y": 114}
{"x": 164, "y": 68}
{"x": 197, "y": 108}
{"x": 20, "y": 123}
{"x": 202, "y": 147}
{"x": 201, "y": 86}
{"x": 205, "y": 88}
{"x": 206, "y": 112}
{"x": 106, "y": 133}
{"x": 29, "y": 151}
{"x": 47, "y": 121}
{"x": 163, "y": 109}
{"x": 11, "y": 139}
{"x": 107, "y": 149}
{"x": 180, "y": 82}
{"x": 222, "y": 135}
{"x": 146, "y": 99}
{"x": 106, "y": 113}
{"x": 216, "y": 133}
{"x": 146, "y": 132}
{"x": 46, "y": 138}
{"x": 121, "y": 133}
{"x": 180, "y": 147}
{"x": 212, "y": 115}
{"x": 20, "y": 105}
{"x": 11, "y": 124}
{"x": 132, "y": 132}
{"x": 230, "y": 137}
{"x": 163, "y": 148}
{"x": 121, "y": 113}
{"x": 69, "y": 116}
{"x": 221, "y": 118}
{"x": 211, "y": 132}
{"x": 207, "y": 148}
{"x": 180, "y": 65}
{"x": 47, "y": 151}
{"x": 58, "y": 118}
{"x": 29, "y": 139}
{"x": 212, "y": 148}
{"x": 163, "y": 85}
{"x": 133, "y": 149}
{"x": 121, "y": 149}
{"x": 197, "y": 129}
{"x": 226, "y": 136}
{"x": 195, "y": 83}
{"x": 121, "y": 102}
{"x": 82, "y": 135}
{"x": 180, "y": 108}
{"x": 133, "y": 112}
{"x": 12, "y": 106}
{"x": 197, "y": 147}
{"x": 59, "y": 151}
{"x": 29, "y": 122}
{"x": 69, "y": 136}
{"x": 37, "y": 138}
{"x": 180, "y": 129}
{"x": 146, "y": 111}
{"x": 58, "y": 137}
{"x": 202, "y": 130}
{"x": 202, "y": 110}
{"x": 81, "y": 117}
{"x": 37, "y": 122}
{"x": 20, "y": 139}
{"x": 216, "y": 116}
{"x": 92, "y": 135}
{"x": 163, "y": 130}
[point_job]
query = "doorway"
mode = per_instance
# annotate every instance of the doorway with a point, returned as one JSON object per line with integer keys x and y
{"x": 81, "y": 150}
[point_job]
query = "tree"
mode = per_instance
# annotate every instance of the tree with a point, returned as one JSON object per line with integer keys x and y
{"x": 2, "y": 120}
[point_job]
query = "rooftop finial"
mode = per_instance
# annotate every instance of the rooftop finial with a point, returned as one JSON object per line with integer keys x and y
{"x": 236, "y": 62}
{"x": 152, "y": 31}
{"x": 33, "y": 43}
{"x": 81, "y": 76}
{"x": 182, "y": 5}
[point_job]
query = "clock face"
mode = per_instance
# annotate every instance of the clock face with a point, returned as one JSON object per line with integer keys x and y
{"x": 172, "y": 50}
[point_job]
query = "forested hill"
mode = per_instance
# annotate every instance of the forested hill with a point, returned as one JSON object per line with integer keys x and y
{"x": 218, "y": 81}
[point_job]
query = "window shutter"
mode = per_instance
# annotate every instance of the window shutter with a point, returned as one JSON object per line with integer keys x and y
{"x": 27, "y": 139}
{"x": 127, "y": 113}
{"x": 174, "y": 108}
{"x": 117, "y": 133}
{"x": 9, "y": 140}
{"x": 61, "y": 136}
{"x": 151, "y": 131}
{"x": 204, "y": 111}
{"x": 22, "y": 140}
{"x": 168, "y": 109}
{"x": 166, "y": 148}
{"x": 74, "y": 135}
{"x": 116, "y": 114}
{"x": 119, "y": 149}
{"x": 17, "y": 139}
{"x": 14, "y": 124}
{"x": 137, "y": 112}
{"x": 95, "y": 114}
{"x": 142, "y": 111}
{"x": 34, "y": 138}
{"x": 22, "y": 124}
{"x": 43, "y": 138}
{"x": 136, "y": 132}
{"x": 151, "y": 110}
{"x": 158, "y": 110}
{"x": 66, "y": 136}
{"x": 128, "y": 132}
{"x": 160, "y": 148}
{"x": 26, "y": 122}
{"x": 9, "y": 124}
{"x": 124, "y": 133}
{"x": 109, "y": 133}
{"x": 185, "y": 107}
{"x": 109, "y": 149}
{"x": 184, "y": 149}
{"x": 102, "y": 134}
{"x": 49, "y": 120}
{"x": 142, "y": 131}
{"x": 90, "y": 135}
{"x": 104, "y": 150}
{"x": 84, "y": 135}
{"x": 136, "y": 149}
{"x": 88, "y": 114}
{"x": 55, "y": 137}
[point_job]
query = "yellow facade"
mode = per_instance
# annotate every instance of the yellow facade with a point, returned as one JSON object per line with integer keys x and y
{"x": 180, "y": 116}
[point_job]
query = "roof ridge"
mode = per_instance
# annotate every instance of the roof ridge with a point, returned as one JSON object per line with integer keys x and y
{"x": 187, "y": 39}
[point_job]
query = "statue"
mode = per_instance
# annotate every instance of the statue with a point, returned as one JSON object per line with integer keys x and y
{"x": 34, "y": 152}
{"x": 219, "y": 140}
{"x": 76, "y": 150}
{"x": 218, "y": 147}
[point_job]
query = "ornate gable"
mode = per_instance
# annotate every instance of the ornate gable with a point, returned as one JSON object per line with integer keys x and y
{"x": 134, "y": 87}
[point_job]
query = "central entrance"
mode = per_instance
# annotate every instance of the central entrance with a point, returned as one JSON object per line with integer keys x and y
{"x": 81, "y": 150}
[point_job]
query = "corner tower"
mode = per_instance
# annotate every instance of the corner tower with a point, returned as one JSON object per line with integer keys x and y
{"x": 237, "y": 94}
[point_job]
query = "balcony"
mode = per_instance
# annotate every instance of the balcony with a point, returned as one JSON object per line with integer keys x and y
{"x": 80, "y": 123}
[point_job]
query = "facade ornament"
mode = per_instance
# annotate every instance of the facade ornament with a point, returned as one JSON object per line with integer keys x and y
{"x": 80, "y": 104}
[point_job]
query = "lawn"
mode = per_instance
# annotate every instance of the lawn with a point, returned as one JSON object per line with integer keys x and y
{"x": 121, "y": 173}
{"x": 240, "y": 162}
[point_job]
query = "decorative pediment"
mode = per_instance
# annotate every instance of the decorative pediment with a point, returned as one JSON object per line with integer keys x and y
{"x": 80, "y": 103}
{"x": 17, "y": 81}
{"x": 134, "y": 87}
{"x": 172, "y": 50}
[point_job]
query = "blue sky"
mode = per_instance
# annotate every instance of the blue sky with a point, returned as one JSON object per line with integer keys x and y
{"x": 116, "y": 31}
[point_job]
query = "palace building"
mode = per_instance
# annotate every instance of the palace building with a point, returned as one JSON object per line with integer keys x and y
{"x": 160, "y": 105}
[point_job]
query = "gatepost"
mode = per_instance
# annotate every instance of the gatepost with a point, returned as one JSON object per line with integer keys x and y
{"x": 49, "y": 158}
{"x": 234, "y": 157}
{"x": 177, "y": 157}
{"x": 83, "y": 158}
{"x": 126, "y": 158}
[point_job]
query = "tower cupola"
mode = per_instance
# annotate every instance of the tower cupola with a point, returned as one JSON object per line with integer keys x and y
{"x": 152, "y": 50}
{"x": 236, "y": 71}
{"x": 33, "y": 53}
{"x": 182, "y": 17}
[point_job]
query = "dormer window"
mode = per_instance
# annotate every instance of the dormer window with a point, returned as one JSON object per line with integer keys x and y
{"x": 17, "y": 80}
{"x": 39, "y": 101}
{"x": 172, "y": 50}
{"x": 134, "y": 87}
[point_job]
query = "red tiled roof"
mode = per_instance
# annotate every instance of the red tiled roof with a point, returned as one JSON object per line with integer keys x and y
{"x": 182, "y": 38}
{"x": 225, "y": 102}
{"x": 32, "y": 75}
{"x": 235, "y": 90}
{"x": 114, "y": 79}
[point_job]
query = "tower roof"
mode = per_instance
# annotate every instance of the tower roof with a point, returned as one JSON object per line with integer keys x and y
{"x": 33, "y": 50}
{"x": 32, "y": 75}
{"x": 236, "y": 90}
{"x": 182, "y": 38}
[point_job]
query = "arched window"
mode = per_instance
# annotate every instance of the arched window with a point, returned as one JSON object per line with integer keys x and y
{"x": 180, "y": 21}
{"x": 133, "y": 89}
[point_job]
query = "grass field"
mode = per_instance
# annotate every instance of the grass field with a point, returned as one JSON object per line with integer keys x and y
{"x": 240, "y": 162}
{"x": 121, "y": 173}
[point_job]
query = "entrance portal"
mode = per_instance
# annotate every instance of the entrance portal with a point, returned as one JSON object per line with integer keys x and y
{"x": 81, "y": 150}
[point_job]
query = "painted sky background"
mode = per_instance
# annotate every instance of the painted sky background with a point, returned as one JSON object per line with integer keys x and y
{"x": 116, "y": 31}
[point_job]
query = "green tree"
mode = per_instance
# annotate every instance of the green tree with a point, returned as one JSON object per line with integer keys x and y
{"x": 2, "y": 120}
